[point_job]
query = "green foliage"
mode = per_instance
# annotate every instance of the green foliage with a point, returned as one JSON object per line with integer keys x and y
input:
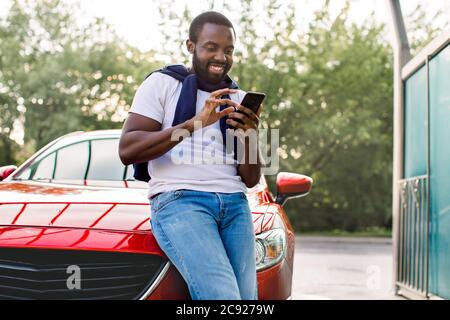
{"x": 60, "y": 77}
{"x": 424, "y": 27}
{"x": 329, "y": 93}
{"x": 372, "y": 232}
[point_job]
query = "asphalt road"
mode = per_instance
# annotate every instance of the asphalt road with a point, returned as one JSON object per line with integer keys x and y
{"x": 343, "y": 268}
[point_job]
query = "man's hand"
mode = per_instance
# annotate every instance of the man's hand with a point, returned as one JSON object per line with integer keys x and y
{"x": 209, "y": 114}
{"x": 248, "y": 117}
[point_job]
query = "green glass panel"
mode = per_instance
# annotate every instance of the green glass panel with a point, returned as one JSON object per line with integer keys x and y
{"x": 415, "y": 153}
{"x": 440, "y": 174}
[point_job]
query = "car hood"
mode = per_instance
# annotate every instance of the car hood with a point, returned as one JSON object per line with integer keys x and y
{"x": 64, "y": 206}
{"x": 51, "y": 205}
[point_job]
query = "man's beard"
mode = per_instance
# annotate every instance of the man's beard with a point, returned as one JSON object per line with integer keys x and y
{"x": 203, "y": 73}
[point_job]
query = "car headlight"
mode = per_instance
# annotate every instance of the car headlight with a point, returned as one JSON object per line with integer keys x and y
{"x": 270, "y": 247}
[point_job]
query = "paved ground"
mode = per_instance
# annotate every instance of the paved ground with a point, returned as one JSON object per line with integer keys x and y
{"x": 343, "y": 268}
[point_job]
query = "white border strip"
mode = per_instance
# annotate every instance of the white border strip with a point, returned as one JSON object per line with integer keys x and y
{"x": 430, "y": 49}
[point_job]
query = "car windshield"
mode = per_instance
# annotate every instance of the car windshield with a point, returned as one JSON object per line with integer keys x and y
{"x": 86, "y": 162}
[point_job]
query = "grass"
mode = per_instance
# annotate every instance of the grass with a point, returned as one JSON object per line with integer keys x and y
{"x": 369, "y": 232}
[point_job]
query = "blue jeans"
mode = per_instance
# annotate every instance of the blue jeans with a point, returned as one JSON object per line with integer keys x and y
{"x": 210, "y": 239}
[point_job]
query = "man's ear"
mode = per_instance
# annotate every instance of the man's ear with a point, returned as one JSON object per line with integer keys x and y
{"x": 190, "y": 46}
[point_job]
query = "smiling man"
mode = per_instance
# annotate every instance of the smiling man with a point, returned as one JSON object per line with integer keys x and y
{"x": 200, "y": 215}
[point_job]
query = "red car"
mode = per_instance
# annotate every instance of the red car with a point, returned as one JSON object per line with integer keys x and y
{"x": 74, "y": 224}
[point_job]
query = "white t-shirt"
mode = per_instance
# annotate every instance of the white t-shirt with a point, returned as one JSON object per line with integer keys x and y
{"x": 198, "y": 162}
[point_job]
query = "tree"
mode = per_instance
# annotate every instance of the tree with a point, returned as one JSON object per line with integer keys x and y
{"x": 58, "y": 77}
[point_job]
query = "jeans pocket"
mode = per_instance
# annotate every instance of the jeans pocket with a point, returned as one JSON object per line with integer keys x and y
{"x": 163, "y": 199}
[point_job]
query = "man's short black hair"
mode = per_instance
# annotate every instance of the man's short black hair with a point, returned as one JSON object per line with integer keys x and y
{"x": 207, "y": 17}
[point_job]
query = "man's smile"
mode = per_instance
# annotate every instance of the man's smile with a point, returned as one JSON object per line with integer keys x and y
{"x": 216, "y": 68}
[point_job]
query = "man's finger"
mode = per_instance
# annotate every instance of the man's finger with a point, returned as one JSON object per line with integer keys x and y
{"x": 238, "y": 115}
{"x": 212, "y": 103}
{"x": 248, "y": 123}
{"x": 249, "y": 113}
{"x": 235, "y": 124}
{"x": 221, "y": 92}
{"x": 226, "y": 111}
{"x": 222, "y": 102}
{"x": 228, "y": 102}
{"x": 261, "y": 107}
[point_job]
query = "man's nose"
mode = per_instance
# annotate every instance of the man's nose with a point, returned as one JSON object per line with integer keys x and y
{"x": 220, "y": 57}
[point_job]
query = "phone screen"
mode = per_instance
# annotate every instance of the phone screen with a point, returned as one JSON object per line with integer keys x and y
{"x": 253, "y": 100}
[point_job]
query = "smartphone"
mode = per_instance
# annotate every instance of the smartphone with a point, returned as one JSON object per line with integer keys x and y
{"x": 252, "y": 100}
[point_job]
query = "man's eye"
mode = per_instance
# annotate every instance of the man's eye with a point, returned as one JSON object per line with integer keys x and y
{"x": 211, "y": 49}
{"x": 229, "y": 52}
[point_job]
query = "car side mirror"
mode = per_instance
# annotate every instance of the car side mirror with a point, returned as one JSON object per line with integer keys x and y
{"x": 6, "y": 171}
{"x": 292, "y": 185}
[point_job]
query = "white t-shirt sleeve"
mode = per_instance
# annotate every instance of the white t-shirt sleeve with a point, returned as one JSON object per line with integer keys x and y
{"x": 149, "y": 99}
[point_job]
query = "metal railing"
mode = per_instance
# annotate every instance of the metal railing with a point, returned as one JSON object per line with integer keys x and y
{"x": 413, "y": 245}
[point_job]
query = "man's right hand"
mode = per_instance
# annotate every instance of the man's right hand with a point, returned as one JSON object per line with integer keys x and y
{"x": 209, "y": 114}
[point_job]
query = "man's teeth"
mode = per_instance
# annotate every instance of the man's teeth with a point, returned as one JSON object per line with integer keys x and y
{"x": 216, "y": 68}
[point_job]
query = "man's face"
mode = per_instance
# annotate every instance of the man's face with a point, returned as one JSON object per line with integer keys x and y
{"x": 213, "y": 52}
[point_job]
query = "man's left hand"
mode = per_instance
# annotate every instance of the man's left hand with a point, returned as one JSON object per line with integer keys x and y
{"x": 248, "y": 117}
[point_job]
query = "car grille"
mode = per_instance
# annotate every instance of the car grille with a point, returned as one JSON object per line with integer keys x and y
{"x": 45, "y": 274}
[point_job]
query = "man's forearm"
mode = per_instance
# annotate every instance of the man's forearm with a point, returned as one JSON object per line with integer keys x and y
{"x": 250, "y": 173}
{"x": 141, "y": 146}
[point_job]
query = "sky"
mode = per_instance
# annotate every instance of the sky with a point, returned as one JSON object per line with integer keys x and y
{"x": 136, "y": 20}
